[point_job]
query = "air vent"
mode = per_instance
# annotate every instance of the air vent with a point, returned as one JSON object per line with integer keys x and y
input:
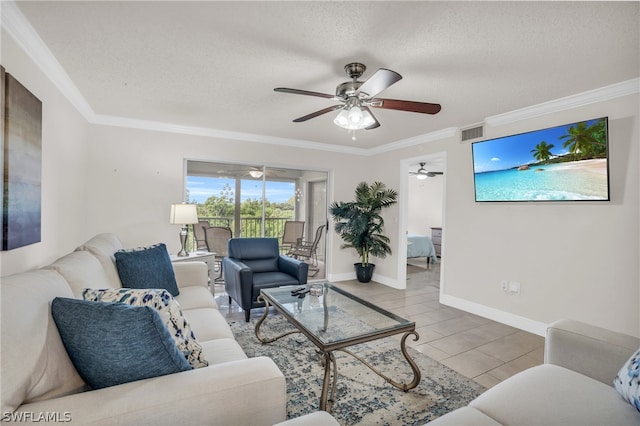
{"x": 475, "y": 132}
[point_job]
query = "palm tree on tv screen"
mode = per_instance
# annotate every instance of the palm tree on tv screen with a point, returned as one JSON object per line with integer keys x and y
{"x": 542, "y": 151}
{"x": 586, "y": 141}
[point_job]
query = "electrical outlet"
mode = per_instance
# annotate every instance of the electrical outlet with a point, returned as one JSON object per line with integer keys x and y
{"x": 514, "y": 287}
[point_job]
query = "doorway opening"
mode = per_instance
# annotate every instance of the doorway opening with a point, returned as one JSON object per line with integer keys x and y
{"x": 422, "y": 208}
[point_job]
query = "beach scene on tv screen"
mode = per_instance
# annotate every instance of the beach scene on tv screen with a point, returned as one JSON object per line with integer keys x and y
{"x": 561, "y": 163}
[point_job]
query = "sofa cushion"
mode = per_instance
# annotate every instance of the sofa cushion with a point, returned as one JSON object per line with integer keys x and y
{"x": 103, "y": 247}
{"x": 34, "y": 363}
{"x": 83, "y": 269}
{"x": 208, "y": 324}
{"x": 627, "y": 382}
{"x": 465, "y": 416}
{"x": 114, "y": 343}
{"x": 169, "y": 311}
{"x": 193, "y": 297}
{"x": 147, "y": 267}
{"x": 551, "y": 395}
{"x": 219, "y": 351}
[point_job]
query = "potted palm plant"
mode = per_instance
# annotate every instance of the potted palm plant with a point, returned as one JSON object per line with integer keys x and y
{"x": 360, "y": 224}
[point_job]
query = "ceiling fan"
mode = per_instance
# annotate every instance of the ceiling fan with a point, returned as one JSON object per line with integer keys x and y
{"x": 357, "y": 97}
{"x": 422, "y": 173}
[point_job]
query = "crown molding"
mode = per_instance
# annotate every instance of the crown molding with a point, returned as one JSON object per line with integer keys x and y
{"x": 20, "y": 29}
{"x": 131, "y": 123}
{"x": 449, "y": 132}
{"x": 601, "y": 94}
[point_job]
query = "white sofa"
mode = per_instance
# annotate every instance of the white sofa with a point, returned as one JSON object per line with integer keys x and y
{"x": 39, "y": 380}
{"x": 574, "y": 386}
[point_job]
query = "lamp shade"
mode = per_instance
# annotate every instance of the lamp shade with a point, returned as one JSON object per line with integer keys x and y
{"x": 183, "y": 214}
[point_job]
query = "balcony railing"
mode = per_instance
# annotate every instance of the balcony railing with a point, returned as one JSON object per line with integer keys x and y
{"x": 251, "y": 226}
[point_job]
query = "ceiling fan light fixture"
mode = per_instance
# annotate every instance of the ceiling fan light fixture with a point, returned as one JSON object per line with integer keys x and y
{"x": 256, "y": 174}
{"x": 421, "y": 176}
{"x": 354, "y": 118}
{"x": 367, "y": 119}
{"x": 342, "y": 119}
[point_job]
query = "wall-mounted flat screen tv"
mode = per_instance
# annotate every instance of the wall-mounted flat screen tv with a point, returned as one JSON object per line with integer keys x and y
{"x": 563, "y": 163}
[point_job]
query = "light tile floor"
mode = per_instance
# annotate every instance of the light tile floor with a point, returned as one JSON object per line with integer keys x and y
{"x": 480, "y": 349}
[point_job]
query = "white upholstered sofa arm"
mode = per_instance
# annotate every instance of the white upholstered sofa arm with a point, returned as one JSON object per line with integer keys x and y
{"x": 216, "y": 394}
{"x": 191, "y": 274}
{"x": 593, "y": 351}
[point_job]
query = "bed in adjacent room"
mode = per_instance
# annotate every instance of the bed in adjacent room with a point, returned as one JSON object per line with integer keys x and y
{"x": 421, "y": 246}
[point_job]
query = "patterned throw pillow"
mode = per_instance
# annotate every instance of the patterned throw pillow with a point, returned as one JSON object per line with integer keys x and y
{"x": 627, "y": 382}
{"x": 169, "y": 311}
{"x": 147, "y": 267}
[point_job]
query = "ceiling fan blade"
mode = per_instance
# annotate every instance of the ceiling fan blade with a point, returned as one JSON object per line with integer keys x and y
{"x": 420, "y": 107}
{"x": 432, "y": 174}
{"x": 375, "y": 125}
{"x": 379, "y": 81}
{"x": 304, "y": 92}
{"x": 317, "y": 113}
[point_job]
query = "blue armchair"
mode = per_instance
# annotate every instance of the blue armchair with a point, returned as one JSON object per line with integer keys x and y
{"x": 256, "y": 263}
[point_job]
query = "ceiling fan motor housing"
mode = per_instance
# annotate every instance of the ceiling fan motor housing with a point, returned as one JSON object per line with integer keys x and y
{"x": 355, "y": 70}
{"x": 347, "y": 89}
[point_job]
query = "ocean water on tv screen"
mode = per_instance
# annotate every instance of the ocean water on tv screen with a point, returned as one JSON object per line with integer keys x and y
{"x": 580, "y": 180}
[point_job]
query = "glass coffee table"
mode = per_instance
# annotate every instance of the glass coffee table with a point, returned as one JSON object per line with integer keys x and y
{"x": 333, "y": 320}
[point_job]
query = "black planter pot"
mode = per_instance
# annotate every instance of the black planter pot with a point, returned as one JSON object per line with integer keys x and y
{"x": 364, "y": 273}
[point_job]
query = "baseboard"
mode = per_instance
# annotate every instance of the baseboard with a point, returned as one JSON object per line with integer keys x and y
{"x": 493, "y": 314}
{"x": 390, "y": 282}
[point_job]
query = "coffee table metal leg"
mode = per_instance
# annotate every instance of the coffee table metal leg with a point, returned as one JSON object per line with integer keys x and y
{"x": 327, "y": 398}
{"x": 416, "y": 371}
{"x": 261, "y": 320}
{"x": 403, "y": 347}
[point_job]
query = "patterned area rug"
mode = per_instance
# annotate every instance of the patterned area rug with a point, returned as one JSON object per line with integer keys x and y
{"x": 362, "y": 397}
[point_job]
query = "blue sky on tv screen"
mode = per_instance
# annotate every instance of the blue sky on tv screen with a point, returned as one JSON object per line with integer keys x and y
{"x": 200, "y": 188}
{"x": 512, "y": 151}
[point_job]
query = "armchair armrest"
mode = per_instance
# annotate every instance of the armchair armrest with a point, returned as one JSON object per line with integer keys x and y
{"x": 593, "y": 351}
{"x": 191, "y": 274}
{"x": 238, "y": 279}
{"x": 294, "y": 267}
{"x": 209, "y": 395}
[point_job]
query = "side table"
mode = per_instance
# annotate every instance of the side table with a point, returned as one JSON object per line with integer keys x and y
{"x": 199, "y": 256}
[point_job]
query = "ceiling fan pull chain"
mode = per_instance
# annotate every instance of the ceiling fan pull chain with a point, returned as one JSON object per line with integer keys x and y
{"x": 353, "y": 137}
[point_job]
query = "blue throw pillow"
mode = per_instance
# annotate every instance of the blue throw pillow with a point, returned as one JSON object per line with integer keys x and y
{"x": 147, "y": 267}
{"x": 113, "y": 343}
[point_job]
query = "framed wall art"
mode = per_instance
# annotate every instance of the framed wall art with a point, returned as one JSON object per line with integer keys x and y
{"x": 21, "y": 165}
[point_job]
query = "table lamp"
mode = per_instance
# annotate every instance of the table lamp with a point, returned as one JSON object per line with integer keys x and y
{"x": 185, "y": 215}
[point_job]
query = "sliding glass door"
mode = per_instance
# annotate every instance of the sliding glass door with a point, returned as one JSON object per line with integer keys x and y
{"x": 255, "y": 200}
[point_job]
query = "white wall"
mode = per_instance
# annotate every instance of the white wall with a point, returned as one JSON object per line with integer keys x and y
{"x": 64, "y": 148}
{"x": 133, "y": 177}
{"x": 577, "y": 260}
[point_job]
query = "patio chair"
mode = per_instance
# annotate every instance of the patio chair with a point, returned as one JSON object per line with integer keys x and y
{"x": 306, "y": 250}
{"x": 293, "y": 232}
{"x": 198, "y": 234}
{"x": 217, "y": 239}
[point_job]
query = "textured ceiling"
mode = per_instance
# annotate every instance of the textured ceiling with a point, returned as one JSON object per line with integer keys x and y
{"x": 214, "y": 64}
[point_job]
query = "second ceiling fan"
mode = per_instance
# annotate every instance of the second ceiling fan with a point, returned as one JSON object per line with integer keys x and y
{"x": 423, "y": 173}
{"x": 358, "y": 97}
